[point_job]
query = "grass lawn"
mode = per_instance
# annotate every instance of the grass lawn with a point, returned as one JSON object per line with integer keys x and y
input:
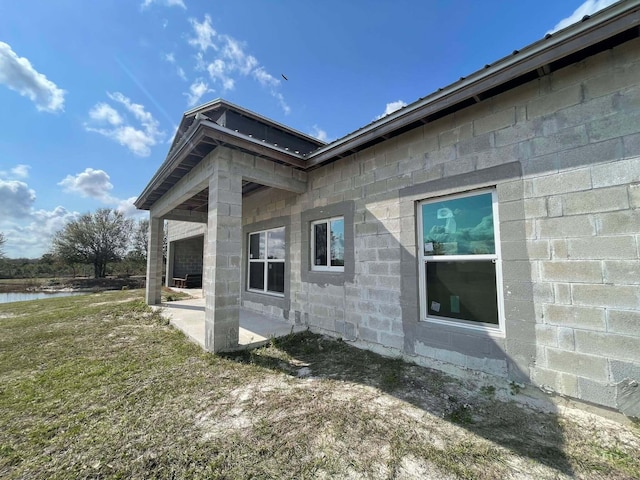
{"x": 99, "y": 386}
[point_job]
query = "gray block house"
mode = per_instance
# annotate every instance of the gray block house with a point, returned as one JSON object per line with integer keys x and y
{"x": 491, "y": 226}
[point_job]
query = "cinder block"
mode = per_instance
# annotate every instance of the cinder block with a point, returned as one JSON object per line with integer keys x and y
{"x": 566, "y": 339}
{"x": 634, "y": 195}
{"x": 546, "y": 335}
{"x": 614, "y": 346}
{"x": 575, "y": 316}
{"x": 368, "y": 334}
{"x": 494, "y": 121}
{"x": 566, "y": 139}
{"x": 615, "y": 223}
{"x": 559, "y": 249}
{"x": 562, "y": 293}
{"x": 572, "y": 271}
{"x": 561, "y": 382}
{"x": 598, "y": 200}
{"x": 570, "y": 181}
{"x": 600, "y": 393}
{"x": 613, "y": 126}
{"x": 617, "y": 78}
{"x": 517, "y": 133}
{"x": 563, "y": 227}
{"x": 623, "y": 370}
{"x": 610, "y": 296}
{"x": 626, "y": 322}
{"x": 391, "y": 340}
{"x": 626, "y": 272}
{"x": 580, "y": 364}
{"x": 622, "y": 172}
{"x": 455, "y": 135}
{"x": 553, "y": 101}
{"x": 602, "y": 247}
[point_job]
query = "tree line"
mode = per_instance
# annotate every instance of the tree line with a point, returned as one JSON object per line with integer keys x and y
{"x": 104, "y": 242}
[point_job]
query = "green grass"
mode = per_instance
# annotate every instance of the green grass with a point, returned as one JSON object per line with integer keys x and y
{"x": 99, "y": 386}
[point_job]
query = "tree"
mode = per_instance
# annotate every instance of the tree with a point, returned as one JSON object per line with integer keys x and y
{"x": 140, "y": 240}
{"x": 96, "y": 238}
{"x": 2, "y": 242}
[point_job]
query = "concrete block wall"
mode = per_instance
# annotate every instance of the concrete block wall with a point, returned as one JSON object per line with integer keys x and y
{"x": 187, "y": 256}
{"x": 563, "y": 153}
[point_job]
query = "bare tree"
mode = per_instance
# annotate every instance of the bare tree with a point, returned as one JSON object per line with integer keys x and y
{"x": 3, "y": 240}
{"x": 140, "y": 240}
{"x": 96, "y": 238}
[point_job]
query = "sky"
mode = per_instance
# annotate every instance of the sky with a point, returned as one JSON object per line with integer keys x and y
{"x": 91, "y": 93}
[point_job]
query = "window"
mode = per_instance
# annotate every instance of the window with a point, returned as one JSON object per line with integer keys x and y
{"x": 327, "y": 245}
{"x": 460, "y": 274}
{"x": 266, "y": 261}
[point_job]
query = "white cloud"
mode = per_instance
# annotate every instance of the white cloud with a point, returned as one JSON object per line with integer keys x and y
{"x": 103, "y": 112}
{"x": 587, "y": 8}
{"x": 196, "y": 91}
{"x": 218, "y": 71}
{"x": 392, "y": 107}
{"x": 19, "y": 171}
{"x": 167, "y": 3}
{"x": 229, "y": 60}
{"x": 16, "y": 199}
{"x": 265, "y": 78}
{"x": 181, "y": 74}
{"x": 234, "y": 52}
{"x": 205, "y": 34}
{"x": 319, "y": 134}
{"x": 18, "y": 74}
{"x": 90, "y": 183}
{"x": 32, "y": 239}
{"x": 128, "y": 209}
{"x": 137, "y": 140}
{"x": 170, "y": 57}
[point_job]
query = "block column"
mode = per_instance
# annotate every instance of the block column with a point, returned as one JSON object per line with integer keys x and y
{"x": 169, "y": 272}
{"x": 223, "y": 248}
{"x": 154, "y": 260}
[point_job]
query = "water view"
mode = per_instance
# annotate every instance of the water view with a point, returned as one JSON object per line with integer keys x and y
{"x": 26, "y": 296}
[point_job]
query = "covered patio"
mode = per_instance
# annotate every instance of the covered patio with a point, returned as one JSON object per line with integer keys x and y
{"x": 221, "y": 153}
{"x": 255, "y": 329}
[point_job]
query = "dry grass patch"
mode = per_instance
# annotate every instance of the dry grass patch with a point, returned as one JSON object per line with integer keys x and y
{"x": 99, "y": 386}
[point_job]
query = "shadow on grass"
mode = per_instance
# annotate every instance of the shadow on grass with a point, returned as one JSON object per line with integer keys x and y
{"x": 529, "y": 434}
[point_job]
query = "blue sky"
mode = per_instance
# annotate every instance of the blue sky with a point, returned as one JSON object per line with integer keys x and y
{"x": 91, "y": 92}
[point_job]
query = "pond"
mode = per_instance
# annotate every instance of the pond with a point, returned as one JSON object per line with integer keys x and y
{"x": 26, "y": 296}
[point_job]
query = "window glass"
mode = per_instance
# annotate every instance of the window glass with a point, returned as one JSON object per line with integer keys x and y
{"x": 256, "y": 275}
{"x": 320, "y": 233}
{"x": 275, "y": 244}
{"x": 337, "y": 243}
{"x": 464, "y": 290}
{"x": 275, "y": 277}
{"x": 461, "y": 226}
{"x": 256, "y": 245}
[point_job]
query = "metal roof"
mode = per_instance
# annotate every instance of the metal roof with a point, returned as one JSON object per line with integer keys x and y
{"x": 198, "y": 134}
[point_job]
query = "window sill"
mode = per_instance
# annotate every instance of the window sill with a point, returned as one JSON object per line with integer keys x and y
{"x": 269, "y": 294}
{"x": 490, "y": 330}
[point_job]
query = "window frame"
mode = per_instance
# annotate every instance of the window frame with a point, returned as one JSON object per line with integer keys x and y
{"x": 328, "y": 267}
{"x": 496, "y": 259}
{"x": 266, "y": 261}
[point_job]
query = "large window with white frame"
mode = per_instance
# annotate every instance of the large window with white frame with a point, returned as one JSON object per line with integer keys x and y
{"x": 327, "y": 245}
{"x": 267, "y": 261}
{"x": 460, "y": 264}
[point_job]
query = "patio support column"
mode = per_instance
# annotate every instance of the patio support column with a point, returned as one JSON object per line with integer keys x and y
{"x": 223, "y": 248}
{"x": 154, "y": 260}
{"x": 169, "y": 273}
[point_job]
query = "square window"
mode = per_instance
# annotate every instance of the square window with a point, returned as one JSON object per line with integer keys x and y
{"x": 327, "y": 245}
{"x": 460, "y": 275}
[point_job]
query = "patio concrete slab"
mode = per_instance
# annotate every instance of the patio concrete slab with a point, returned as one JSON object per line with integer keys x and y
{"x": 255, "y": 329}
